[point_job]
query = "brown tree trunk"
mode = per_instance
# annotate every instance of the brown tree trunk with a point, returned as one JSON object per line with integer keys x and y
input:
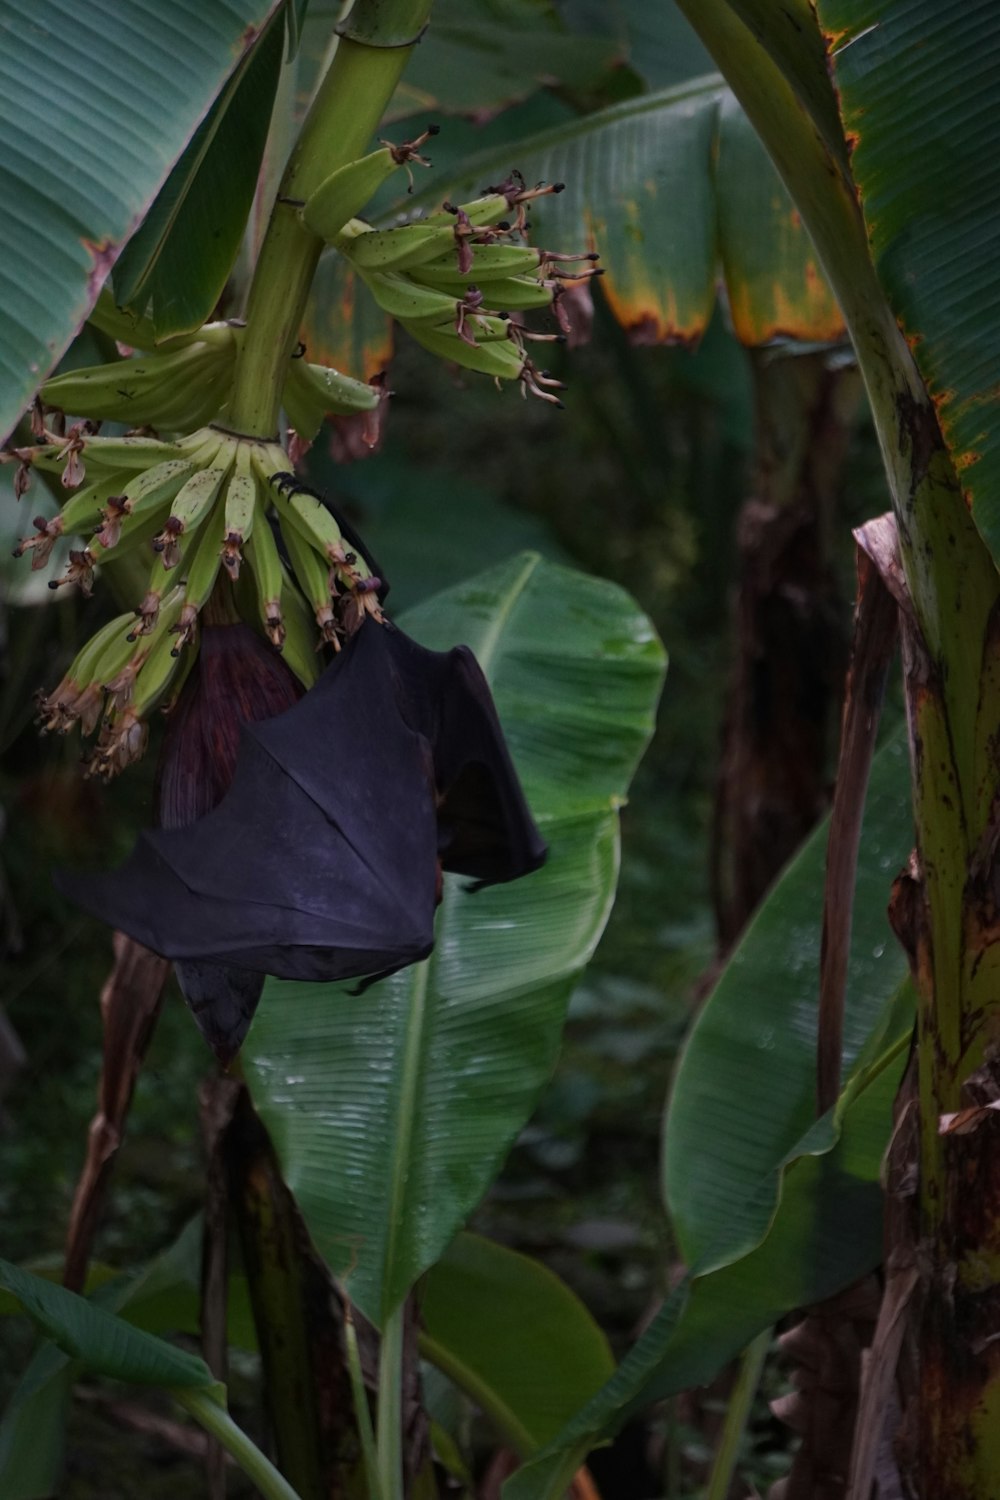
{"x": 790, "y": 641}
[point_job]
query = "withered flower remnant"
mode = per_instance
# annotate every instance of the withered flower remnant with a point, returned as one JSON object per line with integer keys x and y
{"x": 323, "y": 859}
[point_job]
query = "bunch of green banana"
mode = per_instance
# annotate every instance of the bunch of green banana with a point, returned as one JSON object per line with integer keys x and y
{"x": 451, "y": 279}
{"x": 176, "y": 389}
{"x": 199, "y": 509}
{"x": 188, "y": 384}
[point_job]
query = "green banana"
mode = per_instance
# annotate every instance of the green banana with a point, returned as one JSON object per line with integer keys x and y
{"x": 131, "y": 453}
{"x": 497, "y": 357}
{"x": 346, "y": 191}
{"x": 240, "y": 511}
{"x": 512, "y": 293}
{"x": 406, "y": 300}
{"x": 79, "y": 515}
{"x": 488, "y": 262}
{"x": 201, "y": 570}
{"x": 314, "y": 523}
{"x": 144, "y": 496}
{"x": 191, "y": 505}
{"x": 155, "y": 674}
{"x": 179, "y": 389}
{"x": 299, "y": 648}
{"x": 265, "y": 564}
{"x": 313, "y": 392}
{"x": 396, "y": 249}
{"x": 313, "y": 575}
{"x": 490, "y": 209}
{"x": 80, "y": 694}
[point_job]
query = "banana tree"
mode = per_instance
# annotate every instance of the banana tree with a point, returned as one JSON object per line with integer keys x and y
{"x": 249, "y": 571}
{"x": 856, "y": 103}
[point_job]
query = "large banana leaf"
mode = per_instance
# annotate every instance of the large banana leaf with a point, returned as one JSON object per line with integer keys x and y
{"x": 101, "y": 101}
{"x": 676, "y": 193}
{"x": 391, "y": 1110}
{"x": 512, "y": 1336}
{"x": 104, "y": 1342}
{"x": 824, "y": 1233}
{"x": 177, "y": 264}
{"x": 745, "y": 1087}
{"x": 660, "y": 44}
{"x": 919, "y": 87}
{"x": 773, "y": 1210}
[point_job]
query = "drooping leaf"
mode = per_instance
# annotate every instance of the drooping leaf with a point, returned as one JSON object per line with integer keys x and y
{"x": 723, "y": 1136}
{"x": 512, "y": 1336}
{"x": 177, "y": 264}
{"x": 102, "y": 99}
{"x": 163, "y": 1298}
{"x": 919, "y": 90}
{"x": 101, "y": 1341}
{"x": 390, "y": 1111}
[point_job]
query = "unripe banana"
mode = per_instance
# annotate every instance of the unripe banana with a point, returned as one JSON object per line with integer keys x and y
{"x": 240, "y": 511}
{"x": 201, "y": 570}
{"x": 80, "y": 694}
{"x": 488, "y": 262}
{"x": 396, "y": 249}
{"x": 144, "y": 496}
{"x": 141, "y": 684}
{"x": 299, "y": 648}
{"x": 190, "y": 507}
{"x": 313, "y": 392}
{"x": 490, "y": 209}
{"x": 407, "y": 300}
{"x": 180, "y": 389}
{"x": 125, "y": 453}
{"x": 496, "y": 357}
{"x": 155, "y": 675}
{"x": 511, "y": 293}
{"x": 313, "y": 522}
{"x": 312, "y": 573}
{"x": 77, "y": 517}
{"x": 265, "y": 564}
{"x": 345, "y": 192}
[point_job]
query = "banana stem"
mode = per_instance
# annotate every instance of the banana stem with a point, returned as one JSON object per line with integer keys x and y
{"x": 341, "y": 121}
{"x": 389, "y": 1415}
{"x": 217, "y": 1421}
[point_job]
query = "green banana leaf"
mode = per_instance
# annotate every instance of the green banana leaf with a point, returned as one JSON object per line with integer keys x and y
{"x": 825, "y": 1232}
{"x": 919, "y": 87}
{"x": 676, "y": 193}
{"x": 481, "y": 55}
{"x": 161, "y": 1298}
{"x": 101, "y": 1341}
{"x": 659, "y": 43}
{"x": 176, "y": 265}
{"x": 103, "y": 99}
{"x": 33, "y": 1428}
{"x": 772, "y": 1210}
{"x": 391, "y": 1111}
{"x": 392, "y": 500}
{"x": 745, "y": 1087}
{"x": 513, "y": 1336}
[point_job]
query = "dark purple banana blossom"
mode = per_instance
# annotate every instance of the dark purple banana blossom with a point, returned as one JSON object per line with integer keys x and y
{"x": 322, "y": 861}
